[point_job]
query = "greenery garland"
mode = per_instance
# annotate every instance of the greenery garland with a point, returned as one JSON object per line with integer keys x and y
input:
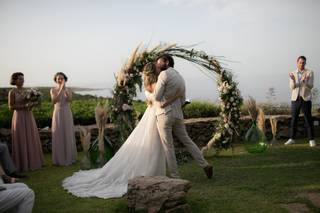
{"x": 130, "y": 77}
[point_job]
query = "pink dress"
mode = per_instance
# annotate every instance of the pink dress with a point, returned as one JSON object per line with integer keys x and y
{"x": 64, "y": 151}
{"x": 26, "y": 145}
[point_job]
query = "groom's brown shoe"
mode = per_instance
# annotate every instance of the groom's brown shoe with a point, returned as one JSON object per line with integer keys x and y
{"x": 209, "y": 171}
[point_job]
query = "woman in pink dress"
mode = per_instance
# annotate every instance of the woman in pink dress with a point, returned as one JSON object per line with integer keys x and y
{"x": 26, "y": 145}
{"x": 64, "y": 151}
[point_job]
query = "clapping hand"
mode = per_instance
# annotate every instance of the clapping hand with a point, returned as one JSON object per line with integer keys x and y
{"x": 305, "y": 78}
{"x": 62, "y": 85}
{"x": 291, "y": 75}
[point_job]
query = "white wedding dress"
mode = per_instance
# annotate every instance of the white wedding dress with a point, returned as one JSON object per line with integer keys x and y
{"x": 141, "y": 155}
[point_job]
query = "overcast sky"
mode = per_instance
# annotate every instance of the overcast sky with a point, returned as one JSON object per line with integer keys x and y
{"x": 89, "y": 40}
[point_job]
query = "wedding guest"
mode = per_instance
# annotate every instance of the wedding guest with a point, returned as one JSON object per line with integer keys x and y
{"x": 301, "y": 84}
{"x": 5, "y": 178}
{"x": 15, "y": 197}
{"x": 64, "y": 151}
{"x": 7, "y": 163}
{"x": 26, "y": 146}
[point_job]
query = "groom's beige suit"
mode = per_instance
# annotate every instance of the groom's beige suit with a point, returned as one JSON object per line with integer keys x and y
{"x": 170, "y": 119}
{"x": 302, "y": 89}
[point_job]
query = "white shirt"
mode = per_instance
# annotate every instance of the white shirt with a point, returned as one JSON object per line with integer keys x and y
{"x": 300, "y": 73}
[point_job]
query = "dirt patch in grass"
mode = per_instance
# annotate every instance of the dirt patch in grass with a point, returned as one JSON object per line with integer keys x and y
{"x": 313, "y": 197}
{"x": 296, "y": 207}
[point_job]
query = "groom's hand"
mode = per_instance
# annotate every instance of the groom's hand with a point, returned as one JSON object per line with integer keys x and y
{"x": 292, "y": 77}
{"x": 305, "y": 78}
{"x": 186, "y": 103}
{"x": 163, "y": 104}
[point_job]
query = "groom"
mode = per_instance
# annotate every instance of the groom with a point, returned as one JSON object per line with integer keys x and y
{"x": 170, "y": 118}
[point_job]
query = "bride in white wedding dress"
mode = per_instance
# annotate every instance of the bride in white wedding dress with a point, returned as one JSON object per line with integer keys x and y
{"x": 141, "y": 155}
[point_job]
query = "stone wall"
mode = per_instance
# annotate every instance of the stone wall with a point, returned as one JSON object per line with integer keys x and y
{"x": 199, "y": 129}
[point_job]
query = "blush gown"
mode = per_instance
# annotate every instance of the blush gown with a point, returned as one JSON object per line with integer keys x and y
{"x": 64, "y": 150}
{"x": 26, "y": 145}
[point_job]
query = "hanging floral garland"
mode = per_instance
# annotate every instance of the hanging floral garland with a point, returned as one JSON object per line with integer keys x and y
{"x": 229, "y": 119}
{"x": 130, "y": 77}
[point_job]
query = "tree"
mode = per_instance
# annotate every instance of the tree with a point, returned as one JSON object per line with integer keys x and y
{"x": 315, "y": 98}
{"x": 271, "y": 94}
{"x": 315, "y": 95}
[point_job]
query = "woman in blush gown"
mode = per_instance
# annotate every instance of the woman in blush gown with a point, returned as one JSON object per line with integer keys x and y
{"x": 141, "y": 155}
{"x": 64, "y": 151}
{"x": 26, "y": 145}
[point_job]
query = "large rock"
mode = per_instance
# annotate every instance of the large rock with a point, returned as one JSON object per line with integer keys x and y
{"x": 156, "y": 193}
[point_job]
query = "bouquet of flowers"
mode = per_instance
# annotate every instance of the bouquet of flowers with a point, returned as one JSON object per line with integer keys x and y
{"x": 32, "y": 97}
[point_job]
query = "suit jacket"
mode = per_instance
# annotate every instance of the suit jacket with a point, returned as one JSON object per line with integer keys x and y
{"x": 168, "y": 84}
{"x": 302, "y": 88}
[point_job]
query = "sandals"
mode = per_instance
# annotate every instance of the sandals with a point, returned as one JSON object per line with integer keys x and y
{"x": 8, "y": 179}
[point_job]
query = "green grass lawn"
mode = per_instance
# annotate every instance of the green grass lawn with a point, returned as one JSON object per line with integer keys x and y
{"x": 242, "y": 183}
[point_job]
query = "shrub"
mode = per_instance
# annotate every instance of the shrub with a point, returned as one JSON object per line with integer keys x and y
{"x": 43, "y": 114}
{"x": 5, "y": 116}
{"x": 139, "y": 107}
{"x": 83, "y": 113}
{"x": 198, "y": 109}
{"x": 270, "y": 109}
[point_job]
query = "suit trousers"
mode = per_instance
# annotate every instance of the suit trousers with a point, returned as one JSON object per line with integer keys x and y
{"x": 17, "y": 197}
{"x": 167, "y": 125}
{"x": 305, "y": 106}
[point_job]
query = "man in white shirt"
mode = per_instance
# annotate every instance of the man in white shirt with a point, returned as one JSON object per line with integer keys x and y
{"x": 7, "y": 163}
{"x": 15, "y": 197}
{"x": 301, "y": 84}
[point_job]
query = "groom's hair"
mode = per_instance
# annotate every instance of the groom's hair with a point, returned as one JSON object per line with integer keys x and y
{"x": 168, "y": 58}
{"x": 302, "y": 57}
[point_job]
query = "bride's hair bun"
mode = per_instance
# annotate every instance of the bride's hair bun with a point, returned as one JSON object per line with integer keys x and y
{"x": 149, "y": 69}
{"x": 149, "y": 74}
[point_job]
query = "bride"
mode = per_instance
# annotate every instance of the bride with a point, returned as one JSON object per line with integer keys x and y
{"x": 141, "y": 155}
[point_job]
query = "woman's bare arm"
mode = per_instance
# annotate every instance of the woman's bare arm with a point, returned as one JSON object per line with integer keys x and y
{"x": 68, "y": 94}
{"x": 54, "y": 96}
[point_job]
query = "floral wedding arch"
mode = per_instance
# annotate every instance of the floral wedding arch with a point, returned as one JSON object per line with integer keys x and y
{"x": 130, "y": 77}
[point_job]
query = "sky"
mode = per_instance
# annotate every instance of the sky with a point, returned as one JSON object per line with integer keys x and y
{"x": 89, "y": 40}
